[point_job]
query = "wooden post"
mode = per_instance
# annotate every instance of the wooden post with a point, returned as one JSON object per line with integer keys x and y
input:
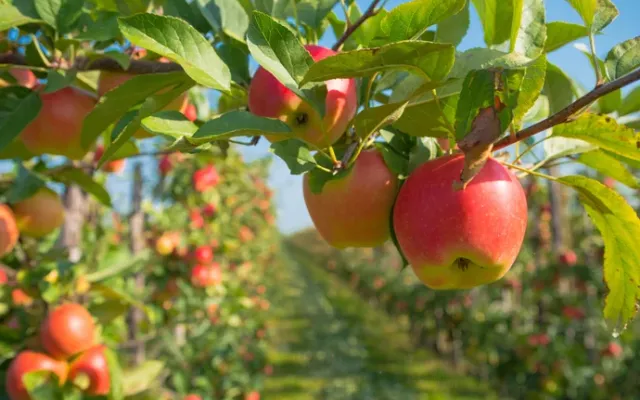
{"x": 71, "y": 232}
{"x": 136, "y": 232}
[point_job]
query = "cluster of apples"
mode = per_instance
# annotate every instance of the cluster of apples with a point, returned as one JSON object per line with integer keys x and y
{"x": 68, "y": 337}
{"x": 66, "y": 109}
{"x": 35, "y": 216}
{"x": 453, "y": 239}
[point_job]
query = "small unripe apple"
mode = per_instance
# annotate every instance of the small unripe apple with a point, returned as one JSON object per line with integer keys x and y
{"x": 108, "y": 80}
{"x": 40, "y": 214}
{"x": 58, "y": 126}
{"x": 245, "y": 234}
{"x": 92, "y": 364}
{"x": 355, "y": 210}
{"x": 197, "y": 221}
{"x": 67, "y": 330}
{"x": 30, "y": 361}
{"x": 24, "y": 77}
{"x": 8, "y": 230}
{"x": 270, "y": 98}
{"x": 165, "y": 244}
{"x": 203, "y": 255}
{"x": 114, "y": 166}
{"x": 613, "y": 350}
{"x": 205, "y": 178}
{"x": 20, "y": 298}
{"x": 206, "y": 275}
{"x": 458, "y": 239}
{"x": 568, "y": 258}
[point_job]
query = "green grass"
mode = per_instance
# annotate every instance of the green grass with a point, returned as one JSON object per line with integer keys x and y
{"x": 329, "y": 344}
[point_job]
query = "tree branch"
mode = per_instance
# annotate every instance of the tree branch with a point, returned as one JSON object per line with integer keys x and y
{"x": 370, "y": 12}
{"x": 563, "y": 115}
{"x": 102, "y": 64}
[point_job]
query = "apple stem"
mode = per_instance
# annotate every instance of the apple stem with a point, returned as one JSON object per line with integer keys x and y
{"x": 529, "y": 171}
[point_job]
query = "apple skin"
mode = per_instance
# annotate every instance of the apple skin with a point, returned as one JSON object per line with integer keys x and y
{"x": 355, "y": 210}
{"x": 58, "y": 126}
{"x": 203, "y": 255}
{"x": 205, "y": 178}
{"x": 192, "y": 397}
{"x": 40, "y": 214}
{"x": 108, "y": 80}
{"x": 206, "y": 275}
{"x": 439, "y": 228}
{"x": 190, "y": 112}
{"x": 568, "y": 258}
{"x": 67, "y": 330}
{"x": 8, "y": 230}
{"x": 93, "y": 364}
{"x": 23, "y": 77}
{"x": 270, "y": 98}
{"x": 115, "y": 166}
{"x": 28, "y": 361}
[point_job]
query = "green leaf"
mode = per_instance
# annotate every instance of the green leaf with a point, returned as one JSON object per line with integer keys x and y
{"x": 623, "y": 58}
{"x": 560, "y": 33}
{"x": 131, "y": 264}
{"x": 236, "y": 56}
{"x": 116, "y": 376}
{"x": 226, "y": 15}
{"x": 610, "y": 103}
{"x": 410, "y": 20}
{"x": 454, "y": 28}
{"x": 111, "y": 292}
{"x": 141, "y": 378}
{"x": 106, "y": 312}
{"x": 366, "y": 33}
{"x": 434, "y": 60}
{"x": 619, "y": 225}
{"x": 371, "y": 120}
{"x": 296, "y": 154}
{"x": 11, "y": 16}
{"x": 178, "y": 41}
{"x": 430, "y": 118}
{"x": 630, "y": 103}
{"x": 313, "y": 12}
{"x": 18, "y": 107}
{"x": 609, "y": 166}
{"x": 61, "y": 14}
{"x": 397, "y": 163}
{"x": 170, "y": 123}
{"x": 558, "y": 88}
{"x": 603, "y": 132}
{"x": 528, "y": 31}
{"x": 41, "y": 385}
{"x": 496, "y": 17}
{"x": 151, "y": 105}
{"x": 15, "y": 150}
{"x": 26, "y": 184}
{"x": 478, "y": 92}
{"x": 188, "y": 12}
{"x": 529, "y": 89}
{"x": 121, "y": 58}
{"x": 557, "y": 147}
{"x": 68, "y": 175}
{"x": 596, "y": 14}
{"x": 115, "y": 103}
{"x": 426, "y": 149}
{"x": 59, "y": 79}
{"x": 239, "y": 123}
{"x": 104, "y": 28}
{"x": 280, "y": 9}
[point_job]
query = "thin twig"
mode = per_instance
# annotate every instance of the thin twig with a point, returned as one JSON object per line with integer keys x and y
{"x": 370, "y": 12}
{"x": 564, "y": 114}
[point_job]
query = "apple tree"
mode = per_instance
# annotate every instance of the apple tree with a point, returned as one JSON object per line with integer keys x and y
{"x": 400, "y": 136}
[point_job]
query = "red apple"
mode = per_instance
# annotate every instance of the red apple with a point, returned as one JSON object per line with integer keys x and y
{"x": 206, "y": 275}
{"x": 203, "y": 255}
{"x": 195, "y": 216}
{"x": 40, "y": 214}
{"x": 355, "y": 210}
{"x": 245, "y": 234}
{"x": 93, "y": 364}
{"x": 458, "y": 239}
{"x": 8, "y": 230}
{"x": 4, "y": 279}
{"x": 192, "y": 397}
{"x": 209, "y": 210}
{"x": 613, "y": 350}
{"x": 165, "y": 244}
{"x": 190, "y": 112}
{"x": 30, "y": 361}
{"x": 575, "y": 313}
{"x": 270, "y": 98}
{"x": 165, "y": 164}
{"x": 24, "y": 77}
{"x": 58, "y": 126}
{"x": 205, "y": 178}
{"x": 67, "y": 330}
{"x": 114, "y": 166}
{"x": 568, "y": 258}
{"x": 252, "y": 396}
{"x": 20, "y": 298}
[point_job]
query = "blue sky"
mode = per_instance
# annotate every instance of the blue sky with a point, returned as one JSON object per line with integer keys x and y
{"x": 292, "y": 213}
